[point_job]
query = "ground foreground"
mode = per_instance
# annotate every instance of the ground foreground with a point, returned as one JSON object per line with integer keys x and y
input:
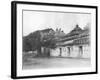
{"x": 51, "y": 62}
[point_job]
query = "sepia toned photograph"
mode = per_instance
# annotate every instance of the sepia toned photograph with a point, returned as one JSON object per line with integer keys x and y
{"x": 53, "y": 40}
{"x": 56, "y": 39}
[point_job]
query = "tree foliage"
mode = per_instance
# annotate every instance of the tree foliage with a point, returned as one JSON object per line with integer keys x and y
{"x": 34, "y": 42}
{"x": 31, "y": 42}
{"x": 49, "y": 41}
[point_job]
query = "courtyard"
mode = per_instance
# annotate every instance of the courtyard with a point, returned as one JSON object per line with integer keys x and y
{"x": 55, "y": 62}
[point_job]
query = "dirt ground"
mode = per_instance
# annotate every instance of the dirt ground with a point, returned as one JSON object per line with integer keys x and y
{"x": 51, "y": 62}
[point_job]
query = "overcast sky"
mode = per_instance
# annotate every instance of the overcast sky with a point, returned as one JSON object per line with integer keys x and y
{"x": 36, "y": 20}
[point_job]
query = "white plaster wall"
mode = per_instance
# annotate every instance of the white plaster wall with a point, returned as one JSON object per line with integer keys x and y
{"x": 74, "y": 52}
{"x": 86, "y": 51}
{"x": 65, "y": 52}
{"x": 55, "y": 52}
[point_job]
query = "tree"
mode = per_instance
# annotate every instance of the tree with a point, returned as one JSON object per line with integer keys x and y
{"x": 32, "y": 41}
{"x": 26, "y": 44}
{"x": 49, "y": 41}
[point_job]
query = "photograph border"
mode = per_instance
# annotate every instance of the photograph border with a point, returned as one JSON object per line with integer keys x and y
{"x": 14, "y": 38}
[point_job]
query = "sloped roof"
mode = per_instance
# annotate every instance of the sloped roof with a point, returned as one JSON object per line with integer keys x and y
{"x": 72, "y": 34}
{"x": 78, "y": 36}
{"x": 47, "y": 30}
{"x": 77, "y": 29}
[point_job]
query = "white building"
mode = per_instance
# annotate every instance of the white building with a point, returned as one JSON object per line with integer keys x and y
{"x": 74, "y": 44}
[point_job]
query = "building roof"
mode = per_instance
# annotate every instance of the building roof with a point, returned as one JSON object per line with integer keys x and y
{"x": 76, "y": 29}
{"x": 78, "y": 36}
{"x": 47, "y": 30}
{"x": 72, "y": 34}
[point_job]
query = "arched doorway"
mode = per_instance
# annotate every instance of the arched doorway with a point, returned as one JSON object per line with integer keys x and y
{"x": 60, "y": 51}
{"x": 69, "y": 51}
{"x": 80, "y": 51}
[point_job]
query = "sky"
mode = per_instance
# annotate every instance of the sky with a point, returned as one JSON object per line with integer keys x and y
{"x": 39, "y": 20}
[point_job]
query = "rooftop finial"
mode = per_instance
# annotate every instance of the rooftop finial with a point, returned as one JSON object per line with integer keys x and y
{"x": 77, "y": 25}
